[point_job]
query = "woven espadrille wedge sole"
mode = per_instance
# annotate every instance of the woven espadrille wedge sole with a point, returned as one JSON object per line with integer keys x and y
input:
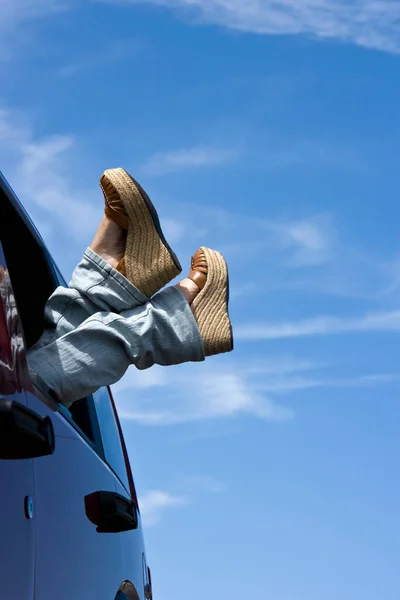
{"x": 210, "y": 307}
{"x": 149, "y": 262}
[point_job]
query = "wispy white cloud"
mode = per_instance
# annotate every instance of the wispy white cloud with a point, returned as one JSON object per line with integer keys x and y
{"x": 279, "y": 366}
{"x": 221, "y": 393}
{"x": 174, "y": 230}
{"x": 374, "y": 322}
{"x": 12, "y": 12}
{"x": 368, "y": 23}
{"x": 174, "y": 161}
{"x": 226, "y": 392}
{"x": 225, "y": 396}
{"x": 41, "y": 170}
{"x": 393, "y": 270}
{"x": 307, "y": 241}
{"x": 346, "y": 155}
{"x": 154, "y": 503}
{"x": 110, "y": 53}
{"x": 205, "y": 483}
{"x": 16, "y": 18}
{"x": 147, "y": 379}
{"x": 286, "y": 385}
{"x": 273, "y": 154}
{"x": 310, "y": 240}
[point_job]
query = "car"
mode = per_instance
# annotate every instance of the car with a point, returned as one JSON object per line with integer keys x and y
{"x": 70, "y": 519}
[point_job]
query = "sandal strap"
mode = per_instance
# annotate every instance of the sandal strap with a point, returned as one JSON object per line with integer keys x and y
{"x": 118, "y": 216}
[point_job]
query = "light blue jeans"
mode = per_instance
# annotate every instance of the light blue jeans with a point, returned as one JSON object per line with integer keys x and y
{"x": 102, "y": 324}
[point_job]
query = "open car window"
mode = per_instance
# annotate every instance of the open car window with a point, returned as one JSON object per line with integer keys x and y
{"x": 34, "y": 277}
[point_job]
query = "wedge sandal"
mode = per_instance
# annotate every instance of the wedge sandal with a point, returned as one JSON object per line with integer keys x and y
{"x": 209, "y": 272}
{"x": 149, "y": 262}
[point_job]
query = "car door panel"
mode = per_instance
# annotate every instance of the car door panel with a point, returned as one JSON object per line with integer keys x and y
{"x": 69, "y": 549}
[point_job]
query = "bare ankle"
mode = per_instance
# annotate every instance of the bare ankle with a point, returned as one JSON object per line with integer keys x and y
{"x": 189, "y": 289}
{"x": 109, "y": 242}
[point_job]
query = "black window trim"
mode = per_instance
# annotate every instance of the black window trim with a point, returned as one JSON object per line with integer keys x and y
{"x": 97, "y": 443}
{"x": 125, "y": 484}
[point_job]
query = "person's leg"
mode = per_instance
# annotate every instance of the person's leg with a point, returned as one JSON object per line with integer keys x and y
{"x": 135, "y": 255}
{"x": 180, "y": 324}
{"x": 103, "y": 323}
{"x": 98, "y": 352}
{"x": 96, "y": 286}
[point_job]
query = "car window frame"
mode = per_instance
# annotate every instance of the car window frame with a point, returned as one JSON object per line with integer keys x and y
{"x": 127, "y": 485}
{"x": 132, "y": 488}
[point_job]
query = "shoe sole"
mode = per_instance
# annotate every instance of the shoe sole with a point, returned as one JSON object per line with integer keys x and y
{"x": 150, "y": 262}
{"x": 210, "y": 307}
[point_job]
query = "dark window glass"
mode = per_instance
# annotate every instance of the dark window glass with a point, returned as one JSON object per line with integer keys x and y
{"x": 83, "y": 416}
{"x": 110, "y": 435}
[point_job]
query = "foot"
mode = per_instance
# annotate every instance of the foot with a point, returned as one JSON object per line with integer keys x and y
{"x": 110, "y": 241}
{"x": 149, "y": 262}
{"x": 189, "y": 289}
{"x": 209, "y": 274}
{"x": 196, "y": 280}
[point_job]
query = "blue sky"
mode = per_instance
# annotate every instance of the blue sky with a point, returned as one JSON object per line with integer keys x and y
{"x": 269, "y": 130}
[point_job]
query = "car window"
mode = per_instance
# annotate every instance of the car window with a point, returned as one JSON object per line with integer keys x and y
{"x": 110, "y": 437}
{"x": 93, "y": 417}
{"x": 26, "y": 300}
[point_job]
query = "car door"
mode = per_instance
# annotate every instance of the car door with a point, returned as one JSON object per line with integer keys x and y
{"x": 72, "y": 559}
{"x": 16, "y": 476}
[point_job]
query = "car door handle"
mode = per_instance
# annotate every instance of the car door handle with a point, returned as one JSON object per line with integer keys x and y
{"x": 24, "y": 433}
{"x": 111, "y": 512}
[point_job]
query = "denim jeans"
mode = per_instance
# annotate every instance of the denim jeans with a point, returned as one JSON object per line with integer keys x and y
{"x": 102, "y": 324}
